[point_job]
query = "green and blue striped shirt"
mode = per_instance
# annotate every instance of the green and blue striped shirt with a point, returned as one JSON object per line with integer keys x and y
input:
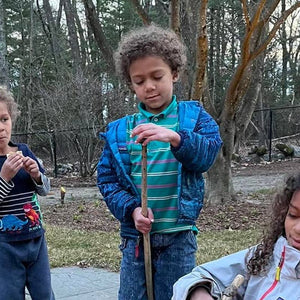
{"x": 162, "y": 169}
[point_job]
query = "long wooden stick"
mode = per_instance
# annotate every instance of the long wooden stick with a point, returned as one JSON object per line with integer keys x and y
{"x": 146, "y": 236}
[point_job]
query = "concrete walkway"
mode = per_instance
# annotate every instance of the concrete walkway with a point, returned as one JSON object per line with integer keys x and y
{"x": 74, "y": 283}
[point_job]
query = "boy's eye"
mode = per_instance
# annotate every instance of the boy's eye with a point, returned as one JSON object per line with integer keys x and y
{"x": 292, "y": 215}
{"x": 158, "y": 77}
{"x": 138, "y": 82}
{"x": 4, "y": 119}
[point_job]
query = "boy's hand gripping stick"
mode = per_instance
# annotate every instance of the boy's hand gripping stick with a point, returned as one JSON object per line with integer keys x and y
{"x": 231, "y": 290}
{"x": 146, "y": 236}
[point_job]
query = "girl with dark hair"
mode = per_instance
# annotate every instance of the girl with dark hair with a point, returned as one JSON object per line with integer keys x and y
{"x": 271, "y": 269}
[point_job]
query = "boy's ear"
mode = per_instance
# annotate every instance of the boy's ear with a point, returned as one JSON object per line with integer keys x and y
{"x": 175, "y": 76}
{"x": 131, "y": 88}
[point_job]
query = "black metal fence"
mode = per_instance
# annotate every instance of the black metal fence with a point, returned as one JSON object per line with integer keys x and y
{"x": 63, "y": 146}
{"x": 270, "y": 125}
{"x": 267, "y": 126}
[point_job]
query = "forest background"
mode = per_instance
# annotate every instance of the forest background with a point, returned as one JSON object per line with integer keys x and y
{"x": 57, "y": 58}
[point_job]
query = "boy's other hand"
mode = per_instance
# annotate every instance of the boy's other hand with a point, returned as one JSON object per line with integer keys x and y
{"x": 150, "y": 132}
{"x": 32, "y": 168}
{"x": 142, "y": 224}
{"x": 11, "y": 166}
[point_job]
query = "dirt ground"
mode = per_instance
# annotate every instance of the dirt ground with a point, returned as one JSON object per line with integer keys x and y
{"x": 250, "y": 210}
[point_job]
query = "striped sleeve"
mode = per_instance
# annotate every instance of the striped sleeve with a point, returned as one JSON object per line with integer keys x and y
{"x": 5, "y": 188}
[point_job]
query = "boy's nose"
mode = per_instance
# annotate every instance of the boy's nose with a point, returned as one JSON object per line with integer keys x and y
{"x": 149, "y": 85}
{"x": 297, "y": 226}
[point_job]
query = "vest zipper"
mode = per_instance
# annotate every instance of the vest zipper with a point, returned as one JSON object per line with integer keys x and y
{"x": 277, "y": 275}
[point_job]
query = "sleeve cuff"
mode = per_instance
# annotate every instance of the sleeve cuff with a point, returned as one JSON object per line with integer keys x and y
{"x": 44, "y": 188}
{"x": 205, "y": 285}
{"x": 181, "y": 134}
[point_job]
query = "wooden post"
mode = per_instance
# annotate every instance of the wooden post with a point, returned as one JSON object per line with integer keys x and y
{"x": 146, "y": 236}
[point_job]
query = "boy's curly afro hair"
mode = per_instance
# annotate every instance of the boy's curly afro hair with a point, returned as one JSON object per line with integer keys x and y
{"x": 149, "y": 41}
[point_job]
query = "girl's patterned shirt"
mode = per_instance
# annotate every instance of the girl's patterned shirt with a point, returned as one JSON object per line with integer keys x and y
{"x": 20, "y": 214}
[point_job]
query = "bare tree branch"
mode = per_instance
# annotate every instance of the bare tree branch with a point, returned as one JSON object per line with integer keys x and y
{"x": 274, "y": 30}
{"x": 141, "y": 12}
{"x": 245, "y": 13}
{"x": 270, "y": 11}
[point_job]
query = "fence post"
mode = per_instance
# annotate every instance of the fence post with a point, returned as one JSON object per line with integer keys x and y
{"x": 53, "y": 138}
{"x": 270, "y": 134}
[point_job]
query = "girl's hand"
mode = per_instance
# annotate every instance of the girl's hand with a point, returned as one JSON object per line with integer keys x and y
{"x": 32, "y": 168}
{"x": 150, "y": 132}
{"x": 142, "y": 224}
{"x": 11, "y": 166}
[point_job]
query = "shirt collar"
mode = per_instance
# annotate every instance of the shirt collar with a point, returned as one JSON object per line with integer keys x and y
{"x": 163, "y": 114}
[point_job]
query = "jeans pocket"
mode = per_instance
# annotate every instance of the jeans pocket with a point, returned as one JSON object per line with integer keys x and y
{"x": 123, "y": 244}
{"x": 192, "y": 238}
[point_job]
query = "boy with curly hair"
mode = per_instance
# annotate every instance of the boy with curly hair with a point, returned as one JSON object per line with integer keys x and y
{"x": 271, "y": 268}
{"x": 182, "y": 140}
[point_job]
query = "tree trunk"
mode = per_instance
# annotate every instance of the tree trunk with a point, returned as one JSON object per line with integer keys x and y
{"x": 284, "y": 41}
{"x": 250, "y": 99}
{"x": 3, "y": 64}
{"x": 201, "y": 54}
{"x": 254, "y": 44}
{"x": 83, "y": 44}
{"x": 73, "y": 39}
{"x": 219, "y": 184}
{"x": 189, "y": 15}
{"x": 29, "y": 87}
{"x": 262, "y": 137}
{"x": 53, "y": 34}
{"x": 175, "y": 16}
{"x": 102, "y": 43}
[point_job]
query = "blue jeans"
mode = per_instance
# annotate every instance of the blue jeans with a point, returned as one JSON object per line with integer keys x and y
{"x": 173, "y": 255}
{"x": 25, "y": 263}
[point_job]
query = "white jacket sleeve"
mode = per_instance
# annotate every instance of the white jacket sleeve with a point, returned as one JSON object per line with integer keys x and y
{"x": 215, "y": 275}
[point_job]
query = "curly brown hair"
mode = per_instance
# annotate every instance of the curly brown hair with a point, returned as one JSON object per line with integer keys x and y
{"x": 149, "y": 41}
{"x": 12, "y": 107}
{"x": 264, "y": 252}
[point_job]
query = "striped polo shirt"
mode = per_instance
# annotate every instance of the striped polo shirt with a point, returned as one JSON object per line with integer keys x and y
{"x": 162, "y": 169}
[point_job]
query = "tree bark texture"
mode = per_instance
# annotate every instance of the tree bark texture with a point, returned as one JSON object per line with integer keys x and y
{"x": 73, "y": 39}
{"x": 201, "y": 54}
{"x": 3, "y": 63}
{"x": 253, "y": 45}
{"x": 53, "y": 38}
{"x": 175, "y": 16}
{"x": 99, "y": 34}
{"x": 83, "y": 44}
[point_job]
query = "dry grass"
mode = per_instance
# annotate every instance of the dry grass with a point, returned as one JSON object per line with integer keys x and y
{"x": 69, "y": 247}
{"x": 100, "y": 249}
